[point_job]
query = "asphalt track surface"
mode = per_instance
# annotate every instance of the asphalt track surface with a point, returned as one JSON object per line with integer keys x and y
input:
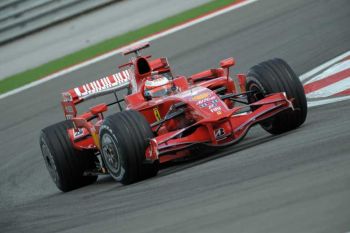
{"x": 295, "y": 182}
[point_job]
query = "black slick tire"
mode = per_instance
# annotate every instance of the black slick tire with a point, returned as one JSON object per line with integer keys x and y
{"x": 274, "y": 76}
{"x": 65, "y": 164}
{"x": 124, "y": 137}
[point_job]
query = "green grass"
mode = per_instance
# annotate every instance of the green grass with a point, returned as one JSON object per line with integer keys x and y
{"x": 39, "y": 72}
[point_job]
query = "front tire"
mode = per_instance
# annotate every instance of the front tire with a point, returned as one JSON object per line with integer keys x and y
{"x": 65, "y": 164}
{"x": 124, "y": 138}
{"x": 274, "y": 76}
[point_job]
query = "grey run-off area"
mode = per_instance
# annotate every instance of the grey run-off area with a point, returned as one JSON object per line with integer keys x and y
{"x": 296, "y": 182}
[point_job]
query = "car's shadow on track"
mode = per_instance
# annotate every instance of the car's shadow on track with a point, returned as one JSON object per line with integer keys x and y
{"x": 249, "y": 141}
{"x": 195, "y": 160}
{"x": 106, "y": 183}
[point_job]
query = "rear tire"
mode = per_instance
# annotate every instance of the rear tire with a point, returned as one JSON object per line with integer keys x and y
{"x": 65, "y": 164}
{"x": 274, "y": 76}
{"x": 124, "y": 139}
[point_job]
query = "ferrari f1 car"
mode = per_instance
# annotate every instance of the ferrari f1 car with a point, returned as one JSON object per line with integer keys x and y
{"x": 165, "y": 117}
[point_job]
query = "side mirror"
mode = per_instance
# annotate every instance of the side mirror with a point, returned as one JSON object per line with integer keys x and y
{"x": 227, "y": 62}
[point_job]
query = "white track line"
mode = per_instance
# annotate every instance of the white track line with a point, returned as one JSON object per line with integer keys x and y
{"x": 327, "y": 101}
{"x": 341, "y": 66}
{"x": 114, "y": 52}
{"x": 323, "y": 66}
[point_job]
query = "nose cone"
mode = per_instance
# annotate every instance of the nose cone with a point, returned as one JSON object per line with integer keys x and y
{"x": 206, "y": 103}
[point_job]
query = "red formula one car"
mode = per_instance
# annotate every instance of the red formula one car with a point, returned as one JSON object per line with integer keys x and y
{"x": 166, "y": 117}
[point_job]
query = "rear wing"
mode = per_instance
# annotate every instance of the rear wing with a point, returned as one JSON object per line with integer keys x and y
{"x": 109, "y": 84}
{"x": 103, "y": 86}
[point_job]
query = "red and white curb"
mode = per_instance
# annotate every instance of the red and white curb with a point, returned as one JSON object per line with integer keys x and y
{"x": 329, "y": 82}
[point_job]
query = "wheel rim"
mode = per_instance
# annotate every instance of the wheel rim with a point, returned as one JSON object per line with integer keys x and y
{"x": 49, "y": 161}
{"x": 259, "y": 93}
{"x": 111, "y": 153}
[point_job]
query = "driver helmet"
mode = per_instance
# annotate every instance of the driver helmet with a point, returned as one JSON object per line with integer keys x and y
{"x": 158, "y": 86}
